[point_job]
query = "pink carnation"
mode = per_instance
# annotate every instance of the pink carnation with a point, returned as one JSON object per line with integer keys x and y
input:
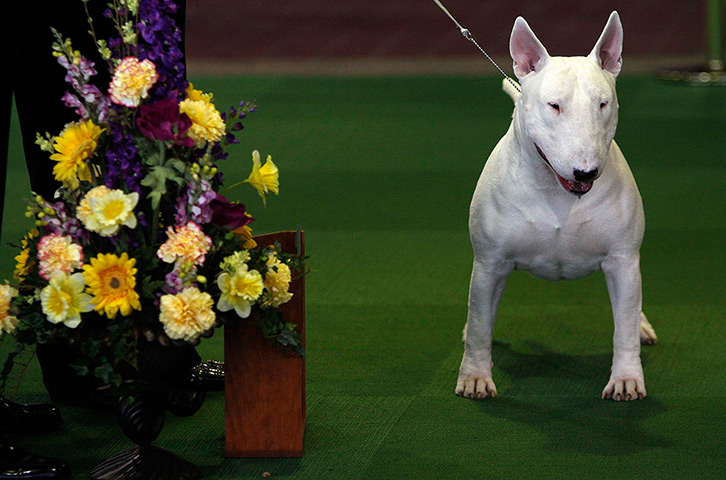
{"x": 58, "y": 253}
{"x": 187, "y": 243}
{"x": 131, "y": 81}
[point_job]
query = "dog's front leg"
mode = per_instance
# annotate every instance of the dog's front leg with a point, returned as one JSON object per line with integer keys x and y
{"x": 485, "y": 290}
{"x": 622, "y": 274}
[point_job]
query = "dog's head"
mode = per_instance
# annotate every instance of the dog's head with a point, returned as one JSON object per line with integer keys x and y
{"x": 568, "y": 110}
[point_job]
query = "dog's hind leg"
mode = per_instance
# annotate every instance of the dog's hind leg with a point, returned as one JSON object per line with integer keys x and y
{"x": 647, "y": 332}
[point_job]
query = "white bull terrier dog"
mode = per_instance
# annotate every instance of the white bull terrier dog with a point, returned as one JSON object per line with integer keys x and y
{"x": 556, "y": 198}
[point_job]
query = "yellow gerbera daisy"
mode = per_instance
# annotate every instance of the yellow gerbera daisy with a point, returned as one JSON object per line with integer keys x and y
{"x": 239, "y": 290}
{"x": 265, "y": 178}
{"x": 73, "y": 148}
{"x": 8, "y": 322}
{"x": 207, "y": 123}
{"x": 23, "y": 263}
{"x": 22, "y": 266}
{"x": 112, "y": 282}
{"x": 63, "y": 299}
{"x": 187, "y": 314}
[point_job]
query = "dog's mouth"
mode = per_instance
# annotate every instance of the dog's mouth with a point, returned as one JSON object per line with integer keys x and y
{"x": 571, "y": 186}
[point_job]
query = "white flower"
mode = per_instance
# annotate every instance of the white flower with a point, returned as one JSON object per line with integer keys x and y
{"x": 105, "y": 211}
{"x": 63, "y": 299}
{"x": 239, "y": 290}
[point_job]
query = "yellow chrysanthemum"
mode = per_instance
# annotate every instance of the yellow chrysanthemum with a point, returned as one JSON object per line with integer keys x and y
{"x": 8, "y": 322}
{"x": 105, "y": 211}
{"x": 277, "y": 283}
{"x": 195, "y": 95}
{"x": 112, "y": 282}
{"x": 63, "y": 299}
{"x": 73, "y": 148}
{"x": 23, "y": 264}
{"x": 239, "y": 290}
{"x": 207, "y": 123}
{"x": 187, "y": 315}
{"x": 265, "y": 178}
{"x": 131, "y": 81}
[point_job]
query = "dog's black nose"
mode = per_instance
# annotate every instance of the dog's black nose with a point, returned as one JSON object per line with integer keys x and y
{"x": 583, "y": 176}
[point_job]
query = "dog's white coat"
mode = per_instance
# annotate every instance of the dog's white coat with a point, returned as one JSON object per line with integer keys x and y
{"x": 523, "y": 218}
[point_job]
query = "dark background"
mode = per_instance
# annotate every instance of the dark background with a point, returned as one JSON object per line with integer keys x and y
{"x": 295, "y": 29}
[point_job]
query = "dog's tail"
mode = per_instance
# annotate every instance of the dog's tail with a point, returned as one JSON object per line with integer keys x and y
{"x": 510, "y": 90}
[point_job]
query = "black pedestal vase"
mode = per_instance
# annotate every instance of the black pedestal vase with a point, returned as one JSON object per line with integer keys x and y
{"x": 141, "y": 417}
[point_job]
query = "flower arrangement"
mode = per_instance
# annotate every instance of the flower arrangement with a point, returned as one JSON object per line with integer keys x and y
{"x": 139, "y": 239}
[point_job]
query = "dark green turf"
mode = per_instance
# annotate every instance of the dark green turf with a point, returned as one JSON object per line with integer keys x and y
{"x": 380, "y": 172}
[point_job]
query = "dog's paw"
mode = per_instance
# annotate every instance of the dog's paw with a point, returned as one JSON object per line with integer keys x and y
{"x": 647, "y": 332}
{"x": 624, "y": 389}
{"x": 473, "y": 386}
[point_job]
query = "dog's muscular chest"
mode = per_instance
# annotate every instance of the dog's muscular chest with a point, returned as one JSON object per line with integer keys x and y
{"x": 553, "y": 245}
{"x": 555, "y": 252}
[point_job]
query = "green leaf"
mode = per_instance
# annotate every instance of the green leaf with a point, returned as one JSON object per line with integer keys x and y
{"x": 81, "y": 370}
{"x": 103, "y": 372}
{"x": 155, "y": 197}
{"x": 177, "y": 165}
{"x": 149, "y": 287}
{"x": 156, "y": 179}
{"x": 8, "y": 367}
{"x": 151, "y": 159}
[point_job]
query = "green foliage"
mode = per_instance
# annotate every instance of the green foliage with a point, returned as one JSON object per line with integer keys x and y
{"x": 161, "y": 172}
{"x": 9, "y": 362}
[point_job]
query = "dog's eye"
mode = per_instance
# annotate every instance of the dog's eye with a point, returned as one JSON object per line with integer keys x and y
{"x": 603, "y": 105}
{"x": 556, "y": 106}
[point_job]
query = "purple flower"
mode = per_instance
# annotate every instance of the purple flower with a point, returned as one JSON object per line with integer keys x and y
{"x": 173, "y": 283}
{"x": 72, "y": 101}
{"x": 230, "y": 139}
{"x": 62, "y": 222}
{"x": 180, "y": 217}
{"x": 200, "y": 200}
{"x": 162, "y": 121}
{"x": 88, "y": 101}
{"x": 218, "y": 152}
{"x": 229, "y": 215}
{"x": 122, "y": 163}
{"x": 195, "y": 203}
{"x": 159, "y": 41}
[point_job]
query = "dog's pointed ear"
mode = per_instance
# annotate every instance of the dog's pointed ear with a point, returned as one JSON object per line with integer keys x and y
{"x": 528, "y": 53}
{"x": 608, "y": 51}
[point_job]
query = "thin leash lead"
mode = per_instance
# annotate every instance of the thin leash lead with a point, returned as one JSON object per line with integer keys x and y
{"x": 467, "y": 34}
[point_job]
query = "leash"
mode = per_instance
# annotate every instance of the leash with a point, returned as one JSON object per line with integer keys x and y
{"x": 467, "y": 34}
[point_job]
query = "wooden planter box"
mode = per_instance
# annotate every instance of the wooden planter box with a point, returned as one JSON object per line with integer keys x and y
{"x": 264, "y": 413}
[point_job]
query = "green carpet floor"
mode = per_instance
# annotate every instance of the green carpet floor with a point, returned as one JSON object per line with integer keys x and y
{"x": 380, "y": 172}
